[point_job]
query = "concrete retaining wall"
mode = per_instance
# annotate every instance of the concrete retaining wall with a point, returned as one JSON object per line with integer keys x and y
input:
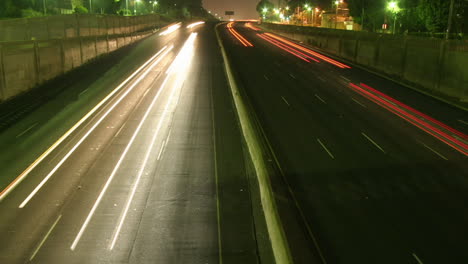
{"x": 439, "y": 67}
{"x": 26, "y": 64}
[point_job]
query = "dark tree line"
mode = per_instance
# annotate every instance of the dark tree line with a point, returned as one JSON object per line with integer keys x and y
{"x": 30, "y": 8}
{"x": 413, "y": 16}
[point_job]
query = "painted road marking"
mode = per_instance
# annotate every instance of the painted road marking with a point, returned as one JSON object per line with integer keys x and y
{"x": 438, "y": 154}
{"x": 26, "y": 131}
{"x": 83, "y": 92}
{"x": 463, "y": 122}
{"x": 346, "y": 79}
{"x": 318, "y": 97}
{"x": 417, "y": 259}
{"x": 185, "y": 53}
{"x": 321, "y": 79}
{"x": 325, "y": 148}
{"x": 285, "y": 100}
{"x": 292, "y": 76}
{"x": 45, "y": 238}
{"x": 162, "y": 149}
{"x": 372, "y": 141}
{"x": 266, "y": 77}
{"x": 359, "y": 103}
{"x": 33, "y": 165}
{"x": 117, "y": 166}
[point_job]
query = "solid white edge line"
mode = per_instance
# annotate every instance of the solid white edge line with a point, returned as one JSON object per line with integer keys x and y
{"x": 373, "y": 142}
{"x": 33, "y": 165}
{"x": 177, "y": 85}
{"x": 285, "y": 100}
{"x": 45, "y": 238}
{"x": 325, "y": 148}
{"x": 49, "y": 175}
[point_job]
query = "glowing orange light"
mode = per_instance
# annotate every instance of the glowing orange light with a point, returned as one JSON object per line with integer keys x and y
{"x": 249, "y": 25}
{"x": 281, "y": 47}
{"x": 313, "y": 53}
{"x": 238, "y": 36}
{"x": 289, "y": 48}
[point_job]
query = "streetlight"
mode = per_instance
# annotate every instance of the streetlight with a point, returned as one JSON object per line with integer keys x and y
{"x": 337, "y": 3}
{"x": 393, "y": 7}
{"x": 153, "y": 3}
{"x": 135, "y": 6}
{"x": 90, "y": 6}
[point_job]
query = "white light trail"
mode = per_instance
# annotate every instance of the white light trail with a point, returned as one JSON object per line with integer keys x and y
{"x": 170, "y": 29}
{"x": 31, "y": 195}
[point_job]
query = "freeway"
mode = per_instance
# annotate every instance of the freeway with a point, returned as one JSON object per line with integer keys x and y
{"x": 376, "y": 172}
{"x": 128, "y": 170}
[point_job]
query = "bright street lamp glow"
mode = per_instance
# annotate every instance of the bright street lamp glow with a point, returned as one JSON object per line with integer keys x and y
{"x": 393, "y": 6}
{"x": 265, "y": 10}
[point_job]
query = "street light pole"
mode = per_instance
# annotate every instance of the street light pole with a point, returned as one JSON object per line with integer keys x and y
{"x": 449, "y": 25}
{"x": 44, "y": 5}
{"x": 90, "y": 6}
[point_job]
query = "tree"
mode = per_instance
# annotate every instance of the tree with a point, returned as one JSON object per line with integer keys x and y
{"x": 264, "y": 8}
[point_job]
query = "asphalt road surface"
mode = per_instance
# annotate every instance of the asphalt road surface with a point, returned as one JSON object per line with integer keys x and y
{"x": 137, "y": 178}
{"x": 373, "y": 181}
{"x": 139, "y": 159}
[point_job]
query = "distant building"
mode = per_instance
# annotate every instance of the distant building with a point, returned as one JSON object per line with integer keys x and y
{"x": 65, "y": 6}
{"x": 339, "y": 18}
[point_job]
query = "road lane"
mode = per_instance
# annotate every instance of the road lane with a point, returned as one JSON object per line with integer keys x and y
{"x": 144, "y": 185}
{"x": 367, "y": 203}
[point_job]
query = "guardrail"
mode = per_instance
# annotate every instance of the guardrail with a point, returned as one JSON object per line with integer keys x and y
{"x": 436, "y": 67}
{"x": 25, "y": 64}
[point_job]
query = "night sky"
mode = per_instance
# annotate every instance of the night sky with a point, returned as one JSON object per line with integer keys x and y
{"x": 244, "y": 9}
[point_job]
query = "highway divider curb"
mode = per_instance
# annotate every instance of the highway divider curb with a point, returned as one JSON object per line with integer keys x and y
{"x": 278, "y": 240}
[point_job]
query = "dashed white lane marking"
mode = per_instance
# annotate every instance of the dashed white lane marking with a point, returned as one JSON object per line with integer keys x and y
{"x": 162, "y": 149}
{"x": 45, "y": 238}
{"x": 372, "y": 141}
{"x": 437, "y": 153}
{"x": 320, "y": 98}
{"x": 417, "y": 259}
{"x": 292, "y": 76}
{"x": 321, "y": 79}
{"x": 346, "y": 79}
{"x": 359, "y": 103}
{"x": 266, "y": 77}
{"x": 463, "y": 122}
{"x": 83, "y": 92}
{"x": 285, "y": 100}
{"x": 325, "y": 148}
{"x": 26, "y": 131}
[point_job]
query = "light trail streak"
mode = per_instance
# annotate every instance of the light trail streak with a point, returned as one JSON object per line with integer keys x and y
{"x": 52, "y": 172}
{"x": 238, "y": 36}
{"x": 290, "y": 48}
{"x": 170, "y": 29}
{"x": 184, "y": 61}
{"x": 46, "y": 153}
{"x": 249, "y": 25}
{"x": 196, "y": 24}
{"x": 285, "y": 49}
{"x": 397, "y": 108}
{"x": 313, "y": 53}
